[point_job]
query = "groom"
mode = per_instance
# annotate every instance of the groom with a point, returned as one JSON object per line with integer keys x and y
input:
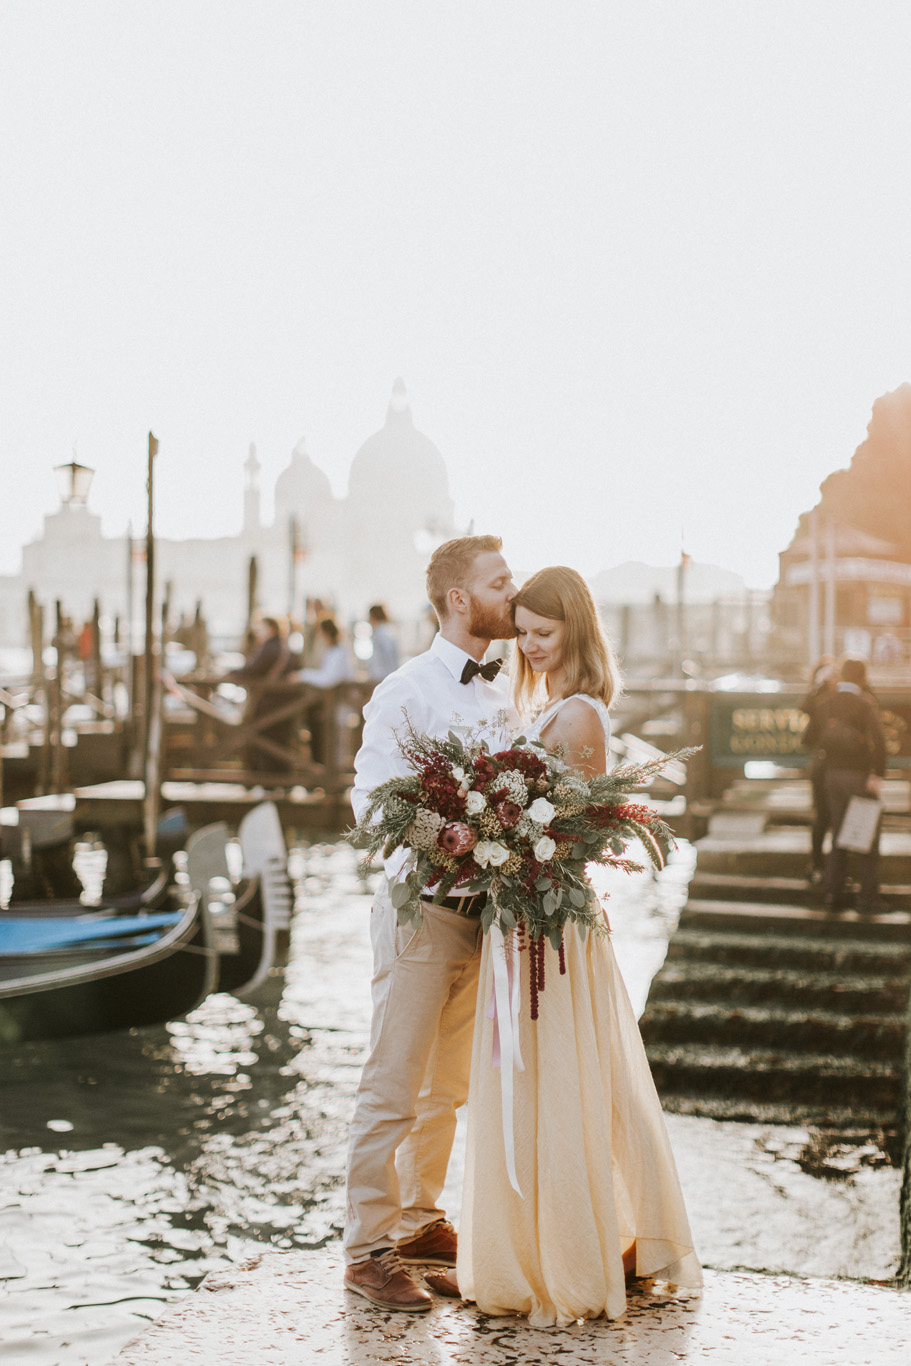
{"x": 425, "y": 980}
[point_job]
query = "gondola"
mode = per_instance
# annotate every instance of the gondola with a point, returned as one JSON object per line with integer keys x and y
{"x": 149, "y": 898}
{"x": 68, "y": 969}
{"x": 251, "y": 916}
{"x": 98, "y": 969}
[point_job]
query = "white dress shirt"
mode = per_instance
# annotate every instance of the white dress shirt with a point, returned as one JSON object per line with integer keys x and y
{"x": 429, "y": 690}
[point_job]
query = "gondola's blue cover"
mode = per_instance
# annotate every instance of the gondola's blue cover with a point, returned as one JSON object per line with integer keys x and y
{"x": 34, "y": 935}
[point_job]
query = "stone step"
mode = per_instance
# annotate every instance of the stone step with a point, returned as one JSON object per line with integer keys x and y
{"x": 793, "y": 800}
{"x": 756, "y": 917}
{"x": 855, "y": 1123}
{"x": 853, "y": 957}
{"x": 793, "y": 891}
{"x": 775, "y": 1076}
{"x": 819, "y": 1033}
{"x": 750, "y": 985}
{"x": 785, "y": 852}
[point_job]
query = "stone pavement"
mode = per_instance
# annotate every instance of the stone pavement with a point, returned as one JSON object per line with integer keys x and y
{"x": 289, "y": 1309}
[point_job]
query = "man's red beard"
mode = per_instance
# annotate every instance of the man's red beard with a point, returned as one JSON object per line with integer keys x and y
{"x": 486, "y": 624}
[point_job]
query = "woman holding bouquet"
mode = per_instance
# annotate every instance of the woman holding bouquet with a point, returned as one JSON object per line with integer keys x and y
{"x": 600, "y": 1197}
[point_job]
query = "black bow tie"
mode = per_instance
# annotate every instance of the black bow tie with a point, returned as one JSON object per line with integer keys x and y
{"x": 488, "y": 671}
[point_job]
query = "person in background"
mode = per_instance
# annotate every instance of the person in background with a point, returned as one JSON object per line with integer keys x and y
{"x": 315, "y": 643}
{"x": 852, "y": 740}
{"x": 270, "y": 662}
{"x": 385, "y": 657}
{"x": 822, "y": 684}
{"x": 334, "y": 668}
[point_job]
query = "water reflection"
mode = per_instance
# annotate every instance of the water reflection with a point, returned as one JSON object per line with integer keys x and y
{"x": 136, "y": 1163}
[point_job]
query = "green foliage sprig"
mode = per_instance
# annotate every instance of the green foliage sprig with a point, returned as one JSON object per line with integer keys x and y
{"x": 516, "y": 824}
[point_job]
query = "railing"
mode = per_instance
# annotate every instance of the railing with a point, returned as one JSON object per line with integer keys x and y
{"x": 295, "y": 734}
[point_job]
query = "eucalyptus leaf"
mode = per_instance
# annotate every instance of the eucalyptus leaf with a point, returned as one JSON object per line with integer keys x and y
{"x": 487, "y": 916}
{"x": 401, "y": 893}
{"x": 507, "y": 919}
{"x": 542, "y": 884}
{"x": 577, "y": 896}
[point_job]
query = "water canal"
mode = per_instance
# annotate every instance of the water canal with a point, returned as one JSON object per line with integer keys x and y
{"x": 134, "y": 1164}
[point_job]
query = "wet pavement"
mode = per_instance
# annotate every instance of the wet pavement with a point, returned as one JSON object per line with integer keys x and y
{"x": 292, "y": 1310}
{"x": 135, "y": 1165}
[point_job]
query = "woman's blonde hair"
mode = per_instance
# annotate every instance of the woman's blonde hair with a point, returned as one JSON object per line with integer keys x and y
{"x": 560, "y": 594}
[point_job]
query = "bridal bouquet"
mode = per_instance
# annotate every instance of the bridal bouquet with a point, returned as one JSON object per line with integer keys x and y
{"x": 518, "y": 825}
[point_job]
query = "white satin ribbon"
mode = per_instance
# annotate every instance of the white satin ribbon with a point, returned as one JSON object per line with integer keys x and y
{"x": 507, "y": 1054}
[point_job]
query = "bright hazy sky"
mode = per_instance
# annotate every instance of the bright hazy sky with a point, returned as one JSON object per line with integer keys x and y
{"x": 643, "y": 267}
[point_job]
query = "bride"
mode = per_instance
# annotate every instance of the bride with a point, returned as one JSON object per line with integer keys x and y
{"x": 600, "y": 1199}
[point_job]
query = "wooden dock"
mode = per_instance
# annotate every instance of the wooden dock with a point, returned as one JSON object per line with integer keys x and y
{"x": 116, "y": 808}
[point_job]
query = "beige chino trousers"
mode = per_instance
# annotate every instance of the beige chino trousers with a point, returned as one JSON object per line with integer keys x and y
{"x": 416, "y": 1076}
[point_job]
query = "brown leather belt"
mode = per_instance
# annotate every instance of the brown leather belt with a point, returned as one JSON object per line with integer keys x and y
{"x": 465, "y": 905}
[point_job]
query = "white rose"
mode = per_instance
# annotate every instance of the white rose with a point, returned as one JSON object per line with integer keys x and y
{"x": 489, "y": 853}
{"x": 458, "y": 774}
{"x": 481, "y": 853}
{"x": 542, "y": 811}
{"x": 544, "y": 849}
{"x": 475, "y": 802}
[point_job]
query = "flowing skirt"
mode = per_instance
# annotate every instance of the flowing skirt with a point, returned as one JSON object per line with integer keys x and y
{"x": 593, "y": 1158}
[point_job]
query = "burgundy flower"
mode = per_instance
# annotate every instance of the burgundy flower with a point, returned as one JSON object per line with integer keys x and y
{"x": 528, "y": 764}
{"x": 508, "y": 813}
{"x": 484, "y": 769}
{"x": 457, "y": 838}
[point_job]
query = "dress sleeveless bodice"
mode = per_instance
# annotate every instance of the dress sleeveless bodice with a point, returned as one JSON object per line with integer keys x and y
{"x": 544, "y": 718}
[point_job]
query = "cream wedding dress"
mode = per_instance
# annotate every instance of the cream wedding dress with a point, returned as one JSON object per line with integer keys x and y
{"x": 592, "y": 1155}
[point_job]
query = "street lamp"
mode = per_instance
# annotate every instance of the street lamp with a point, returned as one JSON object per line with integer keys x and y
{"x": 73, "y": 483}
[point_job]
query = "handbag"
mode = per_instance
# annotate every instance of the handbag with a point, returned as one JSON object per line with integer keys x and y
{"x": 861, "y": 821}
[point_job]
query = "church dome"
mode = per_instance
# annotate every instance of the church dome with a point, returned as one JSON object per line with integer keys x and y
{"x": 398, "y": 458}
{"x": 301, "y": 483}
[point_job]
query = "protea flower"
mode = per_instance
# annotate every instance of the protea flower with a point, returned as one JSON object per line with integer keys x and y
{"x": 457, "y": 838}
{"x": 508, "y": 813}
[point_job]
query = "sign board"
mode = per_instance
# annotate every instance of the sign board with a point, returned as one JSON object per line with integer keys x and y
{"x": 770, "y": 726}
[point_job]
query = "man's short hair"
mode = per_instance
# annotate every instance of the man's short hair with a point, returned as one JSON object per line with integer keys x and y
{"x": 854, "y": 670}
{"x": 451, "y": 565}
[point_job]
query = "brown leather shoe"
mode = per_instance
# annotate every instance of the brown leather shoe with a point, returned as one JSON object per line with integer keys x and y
{"x": 435, "y": 1245}
{"x": 384, "y": 1281}
{"x": 444, "y": 1283}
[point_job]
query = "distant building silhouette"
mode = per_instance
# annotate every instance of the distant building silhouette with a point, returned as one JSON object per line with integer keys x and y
{"x": 845, "y": 578}
{"x": 372, "y": 543}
